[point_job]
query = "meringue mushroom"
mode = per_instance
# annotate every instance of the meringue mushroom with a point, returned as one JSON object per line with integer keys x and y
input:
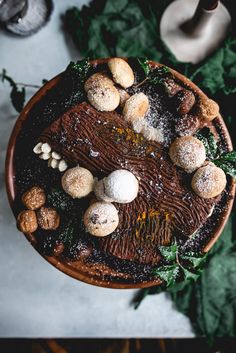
{"x": 123, "y": 96}
{"x": 208, "y": 109}
{"x": 136, "y": 107}
{"x": 121, "y": 186}
{"x": 104, "y": 98}
{"x": 121, "y": 72}
{"x": 209, "y": 181}
{"x": 101, "y": 219}
{"x": 78, "y": 182}
{"x": 100, "y": 192}
{"x": 188, "y": 153}
{"x": 97, "y": 79}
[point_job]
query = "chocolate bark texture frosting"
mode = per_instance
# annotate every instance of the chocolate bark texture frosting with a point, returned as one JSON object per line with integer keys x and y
{"x": 165, "y": 206}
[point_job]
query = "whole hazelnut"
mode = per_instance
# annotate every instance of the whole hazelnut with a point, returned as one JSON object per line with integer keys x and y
{"x": 27, "y": 221}
{"x": 58, "y": 249}
{"x": 34, "y": 198}
{"x": 48, "y": 218}
{"x": 184, "y": 101}
{"x": 208, "y": 109}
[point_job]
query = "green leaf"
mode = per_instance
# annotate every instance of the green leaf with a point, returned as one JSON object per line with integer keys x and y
{"x": 168, "y": 273}
{"x": 227, "y": 162}
{"x": 18, "y": 98}
{"x": 157, "y": 75}
{"x": 206, "y": 136}
{"x": 67, "y": 234}
{"x": 168, "y": 252}
{"x": 17, "y": 94}
{"x": 196, "y": 260}
{"x": 78, "y": 70}
{"x": 144, "y": 64}
{"x": 228, "y": 168}
{"x": 59, "y": 200}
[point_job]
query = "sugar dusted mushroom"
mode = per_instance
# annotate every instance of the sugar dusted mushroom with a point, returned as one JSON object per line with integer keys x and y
{"x": 78, "y": 182}
{"x": 121, "y": 186}
{"x": 136, "y": 107}
{"x": 123, "y": 96}
{"x": 97, "y": 79}
{"x": 104, "y": 98}
{"x": 121, "y": 72}
{"x": 100, "y": 192}
{"x": 188, "y": 153}
{"x": 209, "y": 181}
{"x": 101, "y": 219}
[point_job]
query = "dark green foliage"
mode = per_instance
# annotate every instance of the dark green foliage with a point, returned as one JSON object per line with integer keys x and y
{"x": 17, "y": 94}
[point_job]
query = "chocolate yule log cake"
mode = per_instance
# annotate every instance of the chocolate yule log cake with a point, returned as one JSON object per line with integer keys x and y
{"x": 119, "y": 173}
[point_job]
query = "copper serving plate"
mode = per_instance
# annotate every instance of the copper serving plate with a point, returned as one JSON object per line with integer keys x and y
{"x": 86, "y": 272}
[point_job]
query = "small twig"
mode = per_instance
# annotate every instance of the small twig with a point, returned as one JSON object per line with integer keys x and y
{"x": 27, "y": 85}
{"x": 141, "y": 83}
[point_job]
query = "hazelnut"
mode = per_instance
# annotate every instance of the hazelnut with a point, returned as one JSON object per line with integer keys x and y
{"x": 100, "y": 193}
{"x": 104, "y": 98}
{"x": 48, "y": 218}
{"x": 96, "y": 80}
{"x": 121, "y": 72}
{"x": 188, "y": 153}
{"x": 58, "y": 249}
{"x": 136, "y": 107}
{"x": 78, "y": 182}
{"x": 172, "y": 87}
{"x": 27, "y": 221}
{"x": 187, "y": 125}
{"x": 209, "y": 181}
{"x": 34, "y": 198}
{"x": 208, "y": 109}
{"x": 184, "y": 101}
{"x": 101, "y": 219}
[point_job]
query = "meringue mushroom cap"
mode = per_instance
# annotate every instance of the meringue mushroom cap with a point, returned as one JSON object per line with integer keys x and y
{"x": 188, "y": 153}
{"x": 136, "y": 107}
{"x": 121, "y": 72}
{"x": 104, "y": 98}
{"x": 209, "y": 181}
{"x": 97, "y": 79}
{"x": 78, "y": 182}
{"x": 121, "y": 186}
{"x": 101, "y": 219}
{"x": 208, "y": 109}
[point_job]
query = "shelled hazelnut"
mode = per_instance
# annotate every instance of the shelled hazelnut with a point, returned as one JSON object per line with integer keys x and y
{"x": 34, "y": 198}
{"x": 27, "y": 221}
{"x": 48, "y": 218}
